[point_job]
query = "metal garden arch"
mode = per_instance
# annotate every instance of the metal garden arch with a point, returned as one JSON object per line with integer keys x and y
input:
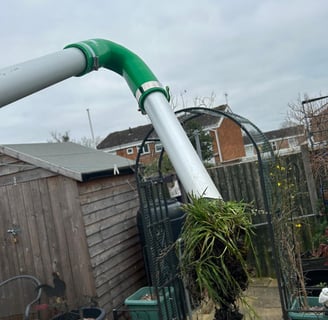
{"x": 149, "y": 194}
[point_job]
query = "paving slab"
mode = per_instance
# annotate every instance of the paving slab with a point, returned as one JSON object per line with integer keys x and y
{"x": 263, "y": 296}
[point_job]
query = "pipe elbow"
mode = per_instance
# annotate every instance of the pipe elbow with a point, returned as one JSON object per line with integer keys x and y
{"x": 110, "y": 55}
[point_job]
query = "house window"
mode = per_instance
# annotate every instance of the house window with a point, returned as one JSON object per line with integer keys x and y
{"x": 145, "y": 149}
{"x": 274, "y": 145}
{"x": 129, "y": 151}
{"x": 249, "y": 150}
{"x": 292, "y": 142}
{"x": 158, "y": 147}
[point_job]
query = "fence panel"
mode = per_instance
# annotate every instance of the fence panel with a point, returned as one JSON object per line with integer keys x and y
{"x": 241, "y": 182}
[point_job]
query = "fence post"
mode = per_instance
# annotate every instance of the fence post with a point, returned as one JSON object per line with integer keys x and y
{"x": 309, "y": 178}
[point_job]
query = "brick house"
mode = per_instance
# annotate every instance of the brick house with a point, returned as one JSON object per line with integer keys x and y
{"x": 317, "y": 129}
{"x": 126, "y": 143}
{"x": 283, "y": 141}
{"x": 227, "y": 140}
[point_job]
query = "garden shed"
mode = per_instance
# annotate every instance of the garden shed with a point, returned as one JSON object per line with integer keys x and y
{"x": 69, "y": 209}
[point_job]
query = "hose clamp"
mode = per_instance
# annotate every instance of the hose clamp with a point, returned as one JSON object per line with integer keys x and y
{"x": 145, "y": 87}
{"x": 95, "y": 65}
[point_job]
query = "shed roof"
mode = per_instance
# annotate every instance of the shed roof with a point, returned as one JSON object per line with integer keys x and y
{"x": 69, "y": 159}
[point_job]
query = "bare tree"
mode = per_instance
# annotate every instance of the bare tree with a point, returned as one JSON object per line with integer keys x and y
{"x": 89, "y": 142}
{"x": 59, "y": 137}
{"x": 206, "y": 102}
{"x": 65, "y": 137}
{"x": 288, "y": 123}
{"x": 182, "y": 101}
{"x": 312, "y": 113}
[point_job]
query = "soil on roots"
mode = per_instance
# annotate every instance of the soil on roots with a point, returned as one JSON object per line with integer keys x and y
{"x": 227, "y": 314}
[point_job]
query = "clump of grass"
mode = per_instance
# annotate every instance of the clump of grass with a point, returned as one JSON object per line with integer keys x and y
{"x": 216, "y": 240}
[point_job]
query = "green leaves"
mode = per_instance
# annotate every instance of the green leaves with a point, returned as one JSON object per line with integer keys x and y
{"x": 216, "y": 239}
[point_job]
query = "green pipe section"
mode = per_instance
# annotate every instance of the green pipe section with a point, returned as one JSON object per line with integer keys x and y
{"x": 110, "y": 55}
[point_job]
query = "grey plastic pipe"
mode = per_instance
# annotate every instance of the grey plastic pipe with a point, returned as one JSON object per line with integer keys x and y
{"x": 80, "y": 58}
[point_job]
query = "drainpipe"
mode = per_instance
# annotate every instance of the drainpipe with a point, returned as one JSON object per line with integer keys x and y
{"x": 83, "y": 57}
{"x": 217, "y": 141}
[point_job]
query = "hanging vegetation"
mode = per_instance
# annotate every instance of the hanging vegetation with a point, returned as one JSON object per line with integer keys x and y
{"x": 217, "y": 239}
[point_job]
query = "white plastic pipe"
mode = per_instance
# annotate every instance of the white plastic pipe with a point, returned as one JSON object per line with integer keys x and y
{"x": 20, "y": 80}
{"x": 190, "y": 170}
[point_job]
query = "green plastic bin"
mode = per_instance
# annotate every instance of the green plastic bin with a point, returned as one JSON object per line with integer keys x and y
{"x": 299, "y": 315}
{"x": 142, "y": 309}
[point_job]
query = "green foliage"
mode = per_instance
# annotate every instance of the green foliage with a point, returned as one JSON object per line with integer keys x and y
{"x": 152, "y": 169}
{"x": 195, "y": 131}
{"x": 216, "y": 238}
{"x": 289, "y": 224}
{"x": 319, "y": 235}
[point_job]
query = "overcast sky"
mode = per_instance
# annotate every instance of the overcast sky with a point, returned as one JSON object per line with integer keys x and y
{"x": 263, "y": 54}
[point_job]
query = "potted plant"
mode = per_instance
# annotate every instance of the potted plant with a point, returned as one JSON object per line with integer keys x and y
{"x": 147, "y": 301}
{"x": 216, "y": 239}
{"x": 288, "y": 224}
{"x": 317, "y": 257}
{"x": 315, "y": 264}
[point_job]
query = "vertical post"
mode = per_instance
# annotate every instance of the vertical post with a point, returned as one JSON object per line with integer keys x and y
{"x": 197, "y": 142}
{"x": 91, "y": 128}
{"x": 309, "y": 178}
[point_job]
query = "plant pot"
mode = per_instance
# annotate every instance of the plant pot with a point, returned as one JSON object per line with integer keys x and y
{"x": 141, "y": 308}
{"x": 314, "y": 263}
{"x": 315, "y": 280}
{"x": 296, "y": 313}
{"x": 87, "y": 312}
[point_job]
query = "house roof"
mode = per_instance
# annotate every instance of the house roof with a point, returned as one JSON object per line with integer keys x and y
{"x": 137, "y": 134}
{"x": 128, "y": 136}
{"x": 284, "y": 132}
{"x": 207, "y": 120}
{"x": 69, "y": 159}
{"x": 281, "y": 133}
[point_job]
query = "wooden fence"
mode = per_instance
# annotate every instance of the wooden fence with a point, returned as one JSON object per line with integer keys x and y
{"x": 110, "y": 253}
{"x": 241, "y": 182}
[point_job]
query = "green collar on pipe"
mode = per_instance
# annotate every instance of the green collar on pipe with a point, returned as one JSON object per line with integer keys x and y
{"x": 104, "y": 53}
